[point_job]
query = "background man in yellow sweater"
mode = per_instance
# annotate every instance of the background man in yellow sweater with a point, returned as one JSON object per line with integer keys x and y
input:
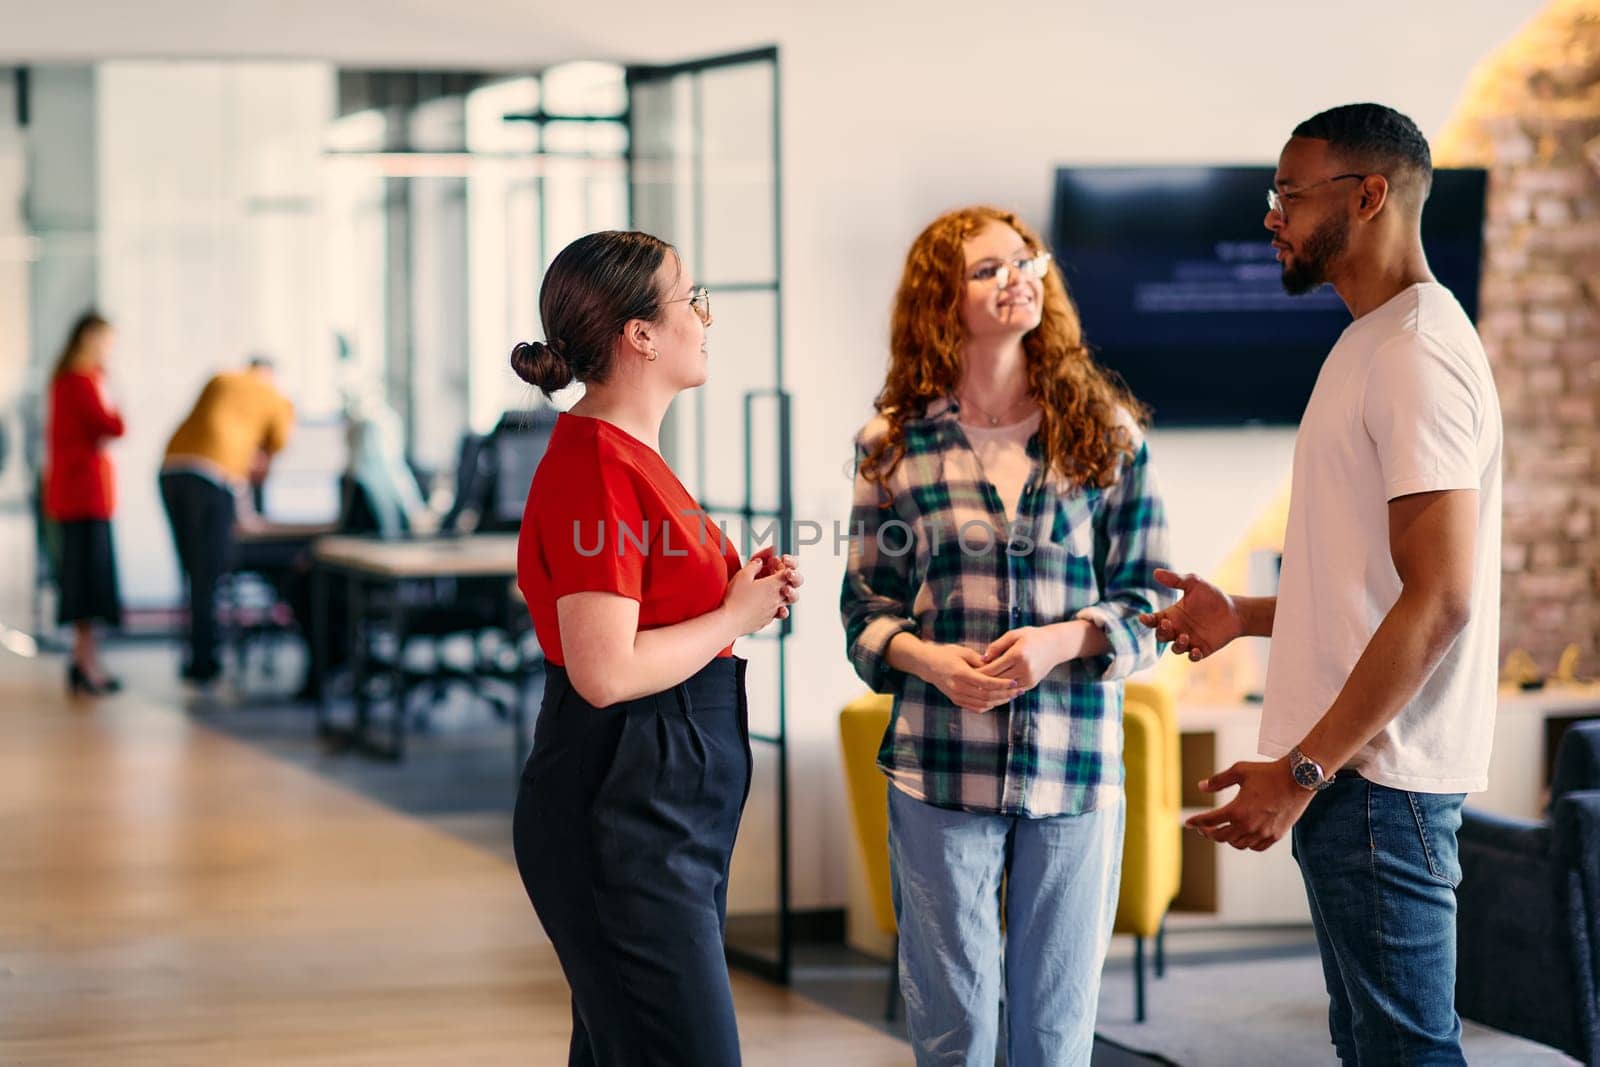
{"x": 239, "y": 421}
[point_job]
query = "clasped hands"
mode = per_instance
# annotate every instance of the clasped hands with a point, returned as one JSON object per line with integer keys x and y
{"x": 1012, "y": 664}
{"x": 786, "y": 566}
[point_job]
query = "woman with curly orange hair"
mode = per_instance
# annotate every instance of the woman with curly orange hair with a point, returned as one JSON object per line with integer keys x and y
{"x": 1004, "y": 533}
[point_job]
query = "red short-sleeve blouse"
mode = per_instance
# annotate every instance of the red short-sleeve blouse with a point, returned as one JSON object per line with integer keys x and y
{"x": 606, "y": 514}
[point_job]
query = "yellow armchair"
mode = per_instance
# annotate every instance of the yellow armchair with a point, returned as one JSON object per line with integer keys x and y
{"x": 862, "y": 724}
{"x": 1152, "y": 852}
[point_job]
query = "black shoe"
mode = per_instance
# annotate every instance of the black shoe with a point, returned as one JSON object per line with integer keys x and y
{"x": 200, "y": 676}
{"x": 80, "y": 684}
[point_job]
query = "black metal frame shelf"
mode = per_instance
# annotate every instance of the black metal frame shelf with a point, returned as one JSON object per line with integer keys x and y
{"x": 779, "y": 968}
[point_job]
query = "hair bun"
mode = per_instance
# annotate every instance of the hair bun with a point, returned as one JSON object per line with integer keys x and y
{"x": 542, "y": 363}
{"x": 539, "y": 350}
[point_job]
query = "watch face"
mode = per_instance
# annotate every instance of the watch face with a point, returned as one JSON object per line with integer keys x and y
{"x": 1306, "y": 774}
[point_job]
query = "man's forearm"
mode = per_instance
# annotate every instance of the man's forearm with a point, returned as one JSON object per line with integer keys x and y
{"x": 1402, "y": 653}
{"x": 1257, "y": 613}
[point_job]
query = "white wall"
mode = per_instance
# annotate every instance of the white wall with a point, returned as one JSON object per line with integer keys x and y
{"x": 16, "y": 253}
{"x": 893, "y": 119}
{"x": 61, "y": 204}
{"x": 891, "y": 114}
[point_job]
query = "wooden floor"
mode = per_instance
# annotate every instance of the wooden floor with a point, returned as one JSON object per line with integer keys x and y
{"x": 171, "y": 896}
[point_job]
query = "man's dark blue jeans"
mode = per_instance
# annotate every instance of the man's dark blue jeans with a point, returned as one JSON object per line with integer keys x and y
{"x": 1381, "y": 870}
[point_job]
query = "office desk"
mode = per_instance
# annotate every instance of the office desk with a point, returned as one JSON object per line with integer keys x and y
{"x": 274, "y": 547}
{"x": 275, "y": 554}
{"x": 388, "y": 568}
{"x": 268, "y": 532}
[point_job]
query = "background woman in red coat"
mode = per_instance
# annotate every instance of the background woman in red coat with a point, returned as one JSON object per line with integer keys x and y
{"x": 79, "y": 496}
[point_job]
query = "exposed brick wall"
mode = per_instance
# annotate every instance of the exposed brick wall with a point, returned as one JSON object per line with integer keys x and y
{"x": 1532, "y": 115}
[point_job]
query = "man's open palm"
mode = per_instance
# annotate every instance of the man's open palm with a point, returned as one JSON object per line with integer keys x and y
{"x": 1202, "y": 621}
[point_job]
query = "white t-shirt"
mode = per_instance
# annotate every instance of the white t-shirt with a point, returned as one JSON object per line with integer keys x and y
{"x": 1002, "y": 452}
{"x": 1404, "y": 404}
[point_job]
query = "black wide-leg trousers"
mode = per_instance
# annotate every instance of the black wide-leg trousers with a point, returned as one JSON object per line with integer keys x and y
{"x": 624, "y": 830}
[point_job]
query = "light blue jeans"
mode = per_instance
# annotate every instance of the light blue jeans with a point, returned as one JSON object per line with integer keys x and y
{"x": 1060, "y": 902}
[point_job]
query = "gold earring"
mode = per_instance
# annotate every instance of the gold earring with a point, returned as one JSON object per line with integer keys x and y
{"x": 653, "y": 356}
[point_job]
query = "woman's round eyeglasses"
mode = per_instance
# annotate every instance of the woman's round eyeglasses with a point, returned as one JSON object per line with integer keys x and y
{"x": 1034, "y": 266}
{"x": 699, "y": 299}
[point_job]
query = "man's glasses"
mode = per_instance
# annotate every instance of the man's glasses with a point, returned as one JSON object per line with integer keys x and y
{"x": 1035, "y": 266}
{"x": 1276, "y": 201}
{"x": 699, "y": 299}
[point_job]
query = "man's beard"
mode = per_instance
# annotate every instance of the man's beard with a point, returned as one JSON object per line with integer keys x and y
{"x": 1310, "y": 267}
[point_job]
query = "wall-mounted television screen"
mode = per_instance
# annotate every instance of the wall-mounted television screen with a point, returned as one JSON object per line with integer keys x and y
{"x": 1180, "y": 290}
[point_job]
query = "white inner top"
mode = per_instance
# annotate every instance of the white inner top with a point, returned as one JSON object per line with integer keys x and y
{"x": 1003, "y": 453}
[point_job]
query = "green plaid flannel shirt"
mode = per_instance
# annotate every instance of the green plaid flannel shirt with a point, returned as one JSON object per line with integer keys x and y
{"x": 1084, "y": 553}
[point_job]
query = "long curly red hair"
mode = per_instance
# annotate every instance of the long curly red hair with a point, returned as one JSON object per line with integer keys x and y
{"x": 1081, "y": 427}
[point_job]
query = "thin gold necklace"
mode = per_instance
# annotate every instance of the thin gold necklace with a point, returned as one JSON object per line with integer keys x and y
{"x": 994, "y": 420}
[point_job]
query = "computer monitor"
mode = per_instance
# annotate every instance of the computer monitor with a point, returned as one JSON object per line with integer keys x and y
{"x": 471, "y": 484}
{"x": 520, "y": 441}
{"x": 302, "y": 485}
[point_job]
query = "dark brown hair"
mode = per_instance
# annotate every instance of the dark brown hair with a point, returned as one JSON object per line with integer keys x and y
{"x": 1378, "y": 140}
{"x": 594, "y": 287}
{"x": 87, "y": 323}
{"x": 1080, "y": 425}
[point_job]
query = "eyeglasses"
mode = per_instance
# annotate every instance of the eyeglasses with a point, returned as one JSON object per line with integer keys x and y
{"x": 1277, "y": 200}
{"x": 699, "y": 299}
{"x": 1035, "y": 266}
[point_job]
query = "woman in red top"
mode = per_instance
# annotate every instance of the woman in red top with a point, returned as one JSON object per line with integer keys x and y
{"x": 78, "y": 496}
{"x": 629, "y": 804}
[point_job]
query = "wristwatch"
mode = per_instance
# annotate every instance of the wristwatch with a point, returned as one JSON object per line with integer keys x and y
{"x": 1308, "y": 773}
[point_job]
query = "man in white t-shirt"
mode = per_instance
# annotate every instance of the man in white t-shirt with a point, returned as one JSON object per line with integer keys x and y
{"x": 1380, "y": 696}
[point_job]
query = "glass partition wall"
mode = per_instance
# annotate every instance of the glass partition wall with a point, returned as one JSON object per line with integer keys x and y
{"x": 704, "y": 168}
{"x": 462, "y": 188}
{"x": 382, "y": 235}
